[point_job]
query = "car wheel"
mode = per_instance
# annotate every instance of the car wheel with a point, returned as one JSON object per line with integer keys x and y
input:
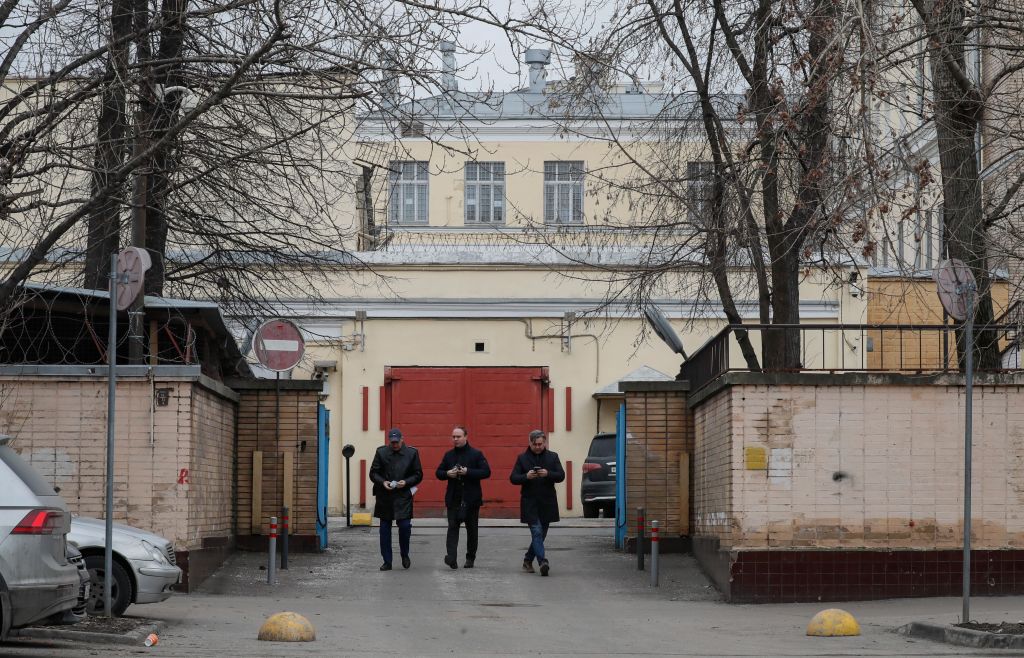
{"x": 120, "y": 587}
{"x": 589, "y": 511}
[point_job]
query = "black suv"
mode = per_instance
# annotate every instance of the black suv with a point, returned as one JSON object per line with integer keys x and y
{"x": 597, "y": 487}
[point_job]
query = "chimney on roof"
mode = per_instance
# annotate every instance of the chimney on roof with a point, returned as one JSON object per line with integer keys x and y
{"x": 448, "y": 80}
{"x": 538, "y": 58}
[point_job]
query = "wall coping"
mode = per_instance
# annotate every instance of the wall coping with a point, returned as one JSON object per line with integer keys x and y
{"x": 739, "y": 378}
{"x": 239, "y": 384}
{"x": 127, "y": 372}
{"x": 654, "y": 387}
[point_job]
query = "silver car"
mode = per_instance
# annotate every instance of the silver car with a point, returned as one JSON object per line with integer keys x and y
{"x": 36, "y": 579}
{"x": 144, "y": 564}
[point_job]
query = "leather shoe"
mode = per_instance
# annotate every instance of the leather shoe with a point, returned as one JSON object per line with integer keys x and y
{"x": 450, "y": 561}
{"x": 406, "y": 562}
{"x": 528, "y": 566}
{"x": 468, "y": 564}
{"x": 386, "y": 566}
{"x": 544, "y": 568}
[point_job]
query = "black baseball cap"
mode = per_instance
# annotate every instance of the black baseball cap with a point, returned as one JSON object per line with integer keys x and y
{"x": 394, "y": 434}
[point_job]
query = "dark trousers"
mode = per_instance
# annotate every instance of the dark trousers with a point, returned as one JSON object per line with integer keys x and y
{"x": 472, "y": 522}
{"x": 404, "y": 533}
{"x": 538, "y": 533}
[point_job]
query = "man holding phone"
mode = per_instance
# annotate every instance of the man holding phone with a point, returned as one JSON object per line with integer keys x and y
{"x": 537, "y": 471}
{"x": 463, "y": 467}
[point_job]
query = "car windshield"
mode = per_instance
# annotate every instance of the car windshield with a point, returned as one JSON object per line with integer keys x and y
{"x": 603, "y": 446}
{"x": 25, "y": 472}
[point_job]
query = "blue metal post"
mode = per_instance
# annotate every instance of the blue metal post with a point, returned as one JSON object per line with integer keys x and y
{"x": 620, "y": 477}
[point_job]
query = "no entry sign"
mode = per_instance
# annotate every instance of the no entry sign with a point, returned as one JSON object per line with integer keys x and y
{"x": 278, "y": 345}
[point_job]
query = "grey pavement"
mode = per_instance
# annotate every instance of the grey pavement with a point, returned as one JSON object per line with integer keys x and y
{"x": 594, "y": 603}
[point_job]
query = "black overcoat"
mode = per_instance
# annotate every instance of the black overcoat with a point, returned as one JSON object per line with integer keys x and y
{"x": 538, "y": 500}
{"x": 466, "y": 486}
{"x": 389, "y": 465}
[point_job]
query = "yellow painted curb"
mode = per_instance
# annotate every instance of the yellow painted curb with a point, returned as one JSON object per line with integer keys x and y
{"x": 833, "y": 623}
{"x": 362, "y": 518}
{"x": 287, "y": 627}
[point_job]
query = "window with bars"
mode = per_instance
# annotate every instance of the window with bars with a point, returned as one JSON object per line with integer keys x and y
{"x": 563, "y": 192}
{"x": 700, "y": 185}
{"x": 485, "y": 192}
{"x": 408, "y": 193}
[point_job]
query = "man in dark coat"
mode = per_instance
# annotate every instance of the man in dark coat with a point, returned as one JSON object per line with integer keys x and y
{"x": 395, "y": 472}
{"x": 463, "y": 467}
{"x": 536, "y": 471}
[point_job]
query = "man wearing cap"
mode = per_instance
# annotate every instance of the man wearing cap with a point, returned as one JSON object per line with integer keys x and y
{"x": 395, "y": 472}
{"x": 537, "y": 471}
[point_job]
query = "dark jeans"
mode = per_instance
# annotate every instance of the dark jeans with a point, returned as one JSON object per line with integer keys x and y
{"x": 472, "y": 522}
{"x": 404, "y": 533}
{"x": 538, "y": 533}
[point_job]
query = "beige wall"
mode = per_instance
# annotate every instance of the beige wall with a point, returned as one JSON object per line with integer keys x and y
{"x": 60, "y": 426}
{"x": 899, "y": 448}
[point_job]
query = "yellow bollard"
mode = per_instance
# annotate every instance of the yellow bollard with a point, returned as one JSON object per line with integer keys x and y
{"x": 287, "y": 627}
{"x": 833, "y": 623}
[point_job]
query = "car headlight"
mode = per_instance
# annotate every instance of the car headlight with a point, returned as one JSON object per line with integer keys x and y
{"x": 154, "y": 552}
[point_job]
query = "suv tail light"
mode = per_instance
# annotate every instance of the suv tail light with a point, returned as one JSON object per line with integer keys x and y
{"x": 588, "y": 467}
{"x": 40, "y": 522}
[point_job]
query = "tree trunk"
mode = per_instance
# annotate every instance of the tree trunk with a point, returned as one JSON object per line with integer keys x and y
{"x": 104, "y": 221}
{"x": 957, "y": 117}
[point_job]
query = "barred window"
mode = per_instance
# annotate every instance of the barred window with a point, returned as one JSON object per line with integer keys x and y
{"x": 700, "y": 185}
{"x": 563, "y": 192}
{"x": 485, "y": 192}
{"x": 408, "y": 195}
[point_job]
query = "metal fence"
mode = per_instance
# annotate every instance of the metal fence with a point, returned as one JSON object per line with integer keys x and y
{"x": 836, "y": 348}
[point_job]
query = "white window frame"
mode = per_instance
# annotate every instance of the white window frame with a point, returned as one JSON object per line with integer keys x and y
{"x": 700, "y": 182}
{"x": 563, "y": 192}
{"x": 484, "y": 196}
{"x": 408, "y": 193}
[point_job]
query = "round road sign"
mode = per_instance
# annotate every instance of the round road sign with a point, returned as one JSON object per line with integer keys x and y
{"x": 952, "y": 278}
{"x": 278, "y": 345}
{"x": 132, "y": 264}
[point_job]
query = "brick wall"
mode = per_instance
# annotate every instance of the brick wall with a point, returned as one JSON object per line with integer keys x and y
{"x": 712, "y": 468}
{"x": 172, "y": 469}
{"x": 860, "y": 466}
{"x": 905, "y": 301}
{"x": 659, "y": 428}
{"x": 212, "y": 467}
{"x": 257, "y": 430}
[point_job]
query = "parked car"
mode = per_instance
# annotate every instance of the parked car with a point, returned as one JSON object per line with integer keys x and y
{"x": 144, "y": 568}
{"x": 36, "y": 579}
{"x": 597, "y": 486}
{"x": 79, "y": 612}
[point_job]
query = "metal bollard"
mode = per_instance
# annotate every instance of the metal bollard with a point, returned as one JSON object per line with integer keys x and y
{"x": 654, "y": 553}
{"x": 284, "y": 538}
{"x": 272, "y": 557}
{"x": 640, "y": 523}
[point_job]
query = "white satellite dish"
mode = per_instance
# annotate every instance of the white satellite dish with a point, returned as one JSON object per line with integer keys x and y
{"x": 953, "y": 279}
{"x": 661, "y": 326}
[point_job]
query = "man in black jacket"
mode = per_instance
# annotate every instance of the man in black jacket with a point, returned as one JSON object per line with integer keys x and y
{"x": 395, "y": 472}
{"x": 537, "y": 470}
{"x": 463, "y": 466}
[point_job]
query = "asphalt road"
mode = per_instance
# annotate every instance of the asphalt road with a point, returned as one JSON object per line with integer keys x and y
{"x": 594, "y": 602}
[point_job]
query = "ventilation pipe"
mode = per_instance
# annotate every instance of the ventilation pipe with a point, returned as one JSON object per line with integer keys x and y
{"x": 538, "y": 58}
{"x": 448, "y": 80}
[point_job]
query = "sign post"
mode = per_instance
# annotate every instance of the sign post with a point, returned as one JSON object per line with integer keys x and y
{"x": 956, "y": 287}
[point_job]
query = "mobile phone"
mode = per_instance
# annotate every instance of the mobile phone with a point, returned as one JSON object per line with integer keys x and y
{"x": 535, "y": 469}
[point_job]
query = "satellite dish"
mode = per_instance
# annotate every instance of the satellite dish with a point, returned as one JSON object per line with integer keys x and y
{"x": 661, "y": 326}
{"x": 952, "y": 280}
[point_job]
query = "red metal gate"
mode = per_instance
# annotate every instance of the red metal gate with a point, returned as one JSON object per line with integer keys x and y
{"x": 499, "y": 406}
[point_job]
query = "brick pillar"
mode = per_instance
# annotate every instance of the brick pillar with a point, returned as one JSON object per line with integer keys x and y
{"x": 659, "y": 428}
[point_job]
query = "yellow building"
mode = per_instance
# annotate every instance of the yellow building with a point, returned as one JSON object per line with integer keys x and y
{"x": 494, "y": 252}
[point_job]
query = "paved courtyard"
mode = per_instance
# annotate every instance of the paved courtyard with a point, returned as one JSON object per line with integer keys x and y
{"x": 594, "y": 603}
